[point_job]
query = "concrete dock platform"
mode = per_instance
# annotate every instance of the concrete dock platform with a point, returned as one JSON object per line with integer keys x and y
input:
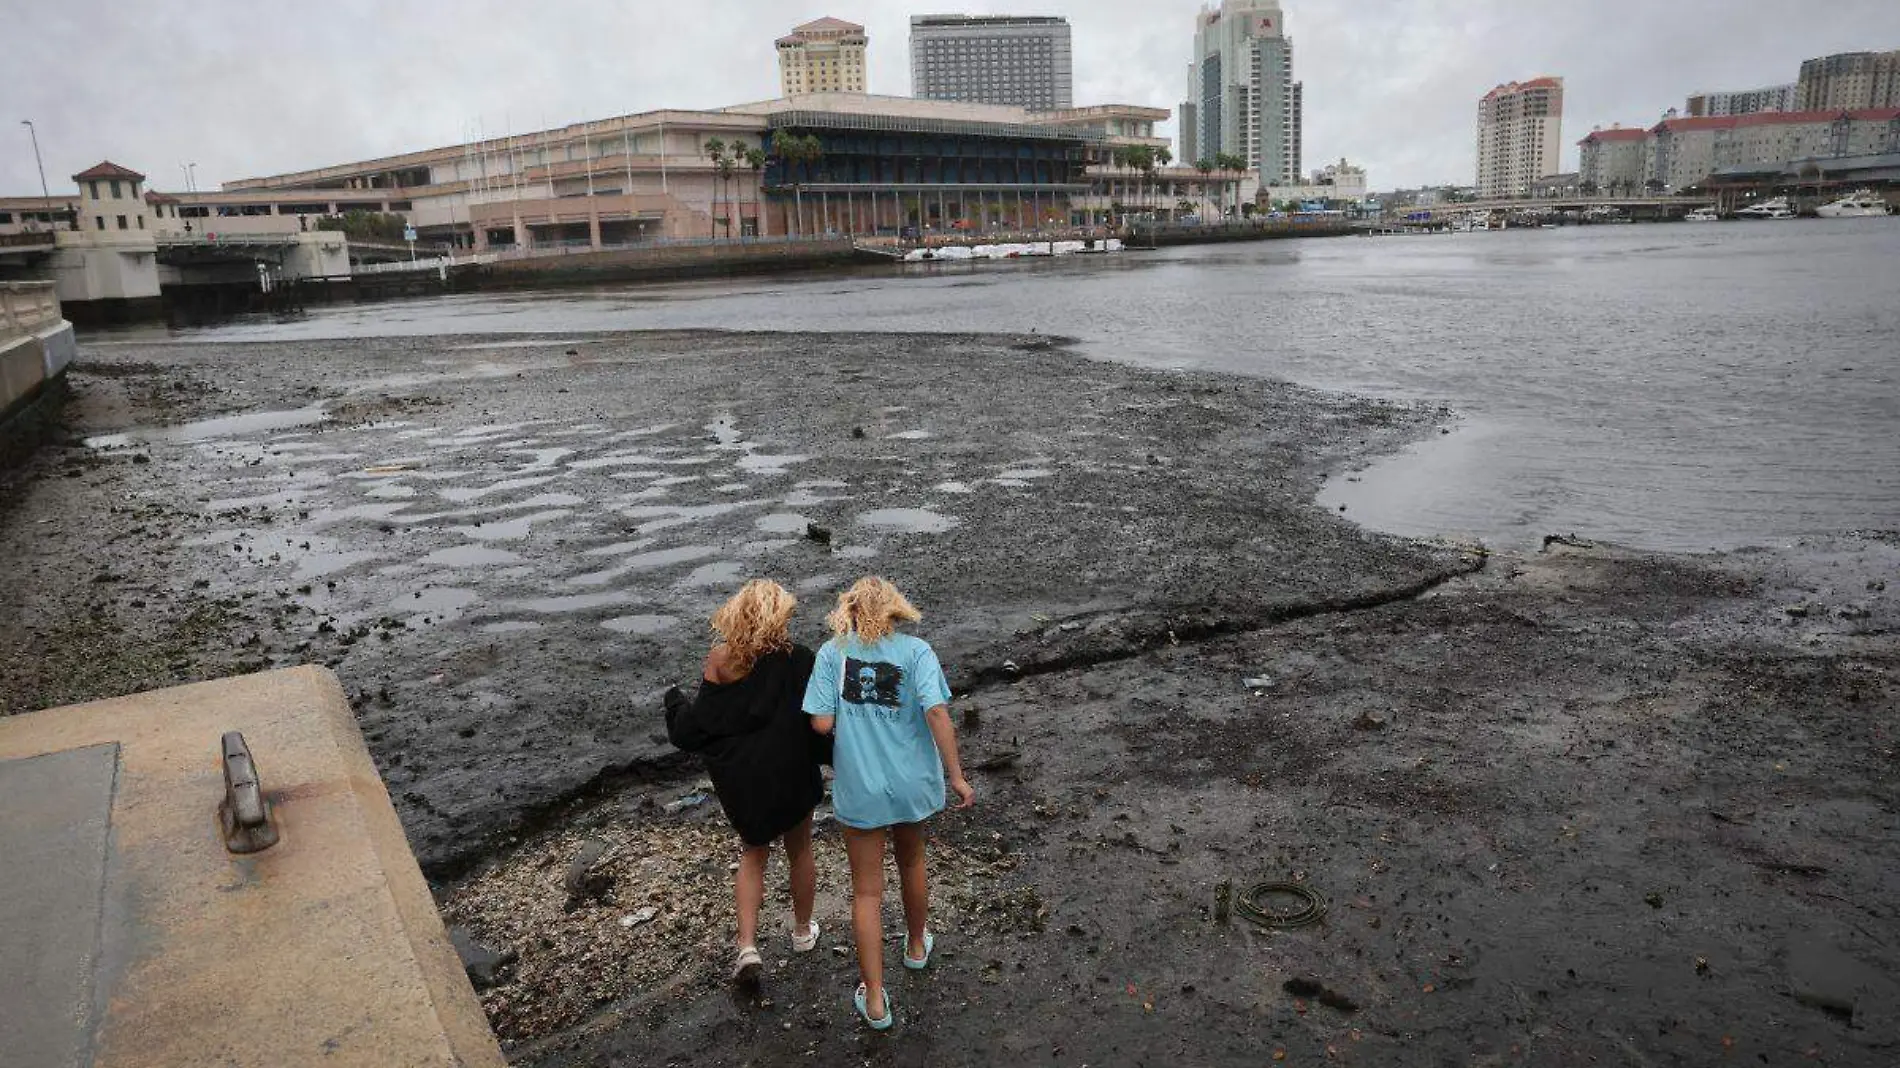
{"x": 131, "y": 937}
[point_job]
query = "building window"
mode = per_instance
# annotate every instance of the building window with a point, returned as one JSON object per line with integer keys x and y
{"x": 94, "y": 186}
{"x": 100, "y": 220}
{"x": 141, "y": 222}
{"x": 122, "y": 225}
{"x": 115, "y": 189}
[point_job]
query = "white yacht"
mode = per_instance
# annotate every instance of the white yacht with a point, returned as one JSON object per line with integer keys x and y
{"x": 1776, "y": 208}
{"x": 1855, "y": 205}
{"x": 1707, "y": 214}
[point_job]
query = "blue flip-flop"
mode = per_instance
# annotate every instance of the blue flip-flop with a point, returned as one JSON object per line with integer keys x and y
{"x": 915, "y": 965}
{"x": 890, "y": 1010}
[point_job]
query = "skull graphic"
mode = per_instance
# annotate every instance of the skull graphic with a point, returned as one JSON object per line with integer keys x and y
{"x": 867, "y": 682}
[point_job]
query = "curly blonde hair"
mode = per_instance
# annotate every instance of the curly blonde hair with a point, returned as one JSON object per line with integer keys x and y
{"x": 871, "y": 609}
{"x": 753, "y": 623}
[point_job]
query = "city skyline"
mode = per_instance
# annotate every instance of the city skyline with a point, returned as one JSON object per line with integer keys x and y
{"x": 1386, "y": 84}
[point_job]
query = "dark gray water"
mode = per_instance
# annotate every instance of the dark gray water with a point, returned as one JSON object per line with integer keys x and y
{"x": 1676, "y": 387}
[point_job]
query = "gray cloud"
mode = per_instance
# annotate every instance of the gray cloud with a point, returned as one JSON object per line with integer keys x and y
{"x": 248, "y": 87}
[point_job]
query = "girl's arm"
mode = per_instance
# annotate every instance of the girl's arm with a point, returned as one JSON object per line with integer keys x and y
{"x": 945, "y": 732}
{"x": 821, "y": 690}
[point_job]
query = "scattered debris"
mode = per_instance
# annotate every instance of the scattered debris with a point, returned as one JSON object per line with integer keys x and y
{"x": 1257, "y": 682}
{"x": 486, "y": 967}
{"x": 857, "y": 433}
{"x": 681, "y": 804}
{"x": 1000, "y": 761}
{"x": 1653, "y": 899}
{"x": 1824, "y": 978}
{"x": 584, "y": 882}
{"x": 1567, "y": 540}
{"x": 821, "y": 535}
{"x": 1306, "y": 987}
{"x": 1372, "y": 721}
{"x": 572, "y": 963}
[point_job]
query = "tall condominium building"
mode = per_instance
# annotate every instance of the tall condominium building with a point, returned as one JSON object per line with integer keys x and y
{"x": 823, "y": 56}
{"x": 1242, "y": 99}
{"x": 1741, "y": 102}
{"x": 1848, "y": 81}
{"x": 1520, "y": 136}
{"x": 1020, "y": 60}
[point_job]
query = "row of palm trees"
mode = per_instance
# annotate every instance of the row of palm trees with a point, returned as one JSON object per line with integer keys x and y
{"x": 1226, "y": 163}
{"x": 726, "y": 159}
{"x": 1146, "y": 158}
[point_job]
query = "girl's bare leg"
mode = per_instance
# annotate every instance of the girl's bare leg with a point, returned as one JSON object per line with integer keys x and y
{"x": 749, "y": 887}
{"x": 804, "y": 874}
{"x": 907, "y": 844}
{"x": 866, "y": 852}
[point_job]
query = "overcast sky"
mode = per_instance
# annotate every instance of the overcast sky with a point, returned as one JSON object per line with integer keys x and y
{"x": 252, "y": 87}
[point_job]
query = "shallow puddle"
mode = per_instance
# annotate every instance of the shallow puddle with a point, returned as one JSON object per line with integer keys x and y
{"x": 580, "y": 602}
{"x": 908, "y": 520}
{"x": 782, "y": 523}
{"x": 723, "y": 573}
{"x": 510, "y": 530}
{"x": 437, "y": 602}
{"x": 470, "y": 556}
{"x": 760, "y": 464}
{"x": 229, "y": 426}
{"x": 640, "y": 624}
{"x": 510, "y": 626}
{"x": 684, "y": 554}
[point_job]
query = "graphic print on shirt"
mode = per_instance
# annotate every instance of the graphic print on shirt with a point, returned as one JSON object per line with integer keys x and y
{"x": 872, "y": 683}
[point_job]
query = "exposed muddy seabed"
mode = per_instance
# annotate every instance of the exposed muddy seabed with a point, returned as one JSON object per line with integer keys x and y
{"x": 1578, "y": 773}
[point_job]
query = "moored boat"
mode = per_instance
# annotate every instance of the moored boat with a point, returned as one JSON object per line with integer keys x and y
{"x": 1774, "y": 208}
{"x": 1859, "y": 204}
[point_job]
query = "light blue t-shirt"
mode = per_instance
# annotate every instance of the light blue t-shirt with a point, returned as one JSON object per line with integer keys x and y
{"x": 887, "y": 764}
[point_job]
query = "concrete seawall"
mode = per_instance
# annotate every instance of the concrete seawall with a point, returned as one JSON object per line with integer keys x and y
{"x": 135, "y": 939}
{"x": 36, "y": 346}
{"x": 669, "y": 262}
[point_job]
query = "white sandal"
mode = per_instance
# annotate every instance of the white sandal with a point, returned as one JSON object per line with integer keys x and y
{"x": 750, "y": 964}
{"x": 807, "y": 941}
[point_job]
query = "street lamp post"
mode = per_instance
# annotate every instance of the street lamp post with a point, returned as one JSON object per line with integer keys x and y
{"x": 35, "y": 135}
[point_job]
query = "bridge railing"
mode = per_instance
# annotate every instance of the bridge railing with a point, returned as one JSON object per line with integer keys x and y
{"x": 217, "y": 240}
{"x": 426, "y": 263}
{"x": 27, "y": 308}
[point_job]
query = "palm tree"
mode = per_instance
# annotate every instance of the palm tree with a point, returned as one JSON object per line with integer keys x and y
{"x": 716, "y": 151}
{"x": 793, "y": 148}
{"x": 755, "y": 159}
{"x": 1206, "y": 167}
{"x": 1138, "y": 158}
{"x": 1235, "y": 165}
{"x": 1159, "y": 157}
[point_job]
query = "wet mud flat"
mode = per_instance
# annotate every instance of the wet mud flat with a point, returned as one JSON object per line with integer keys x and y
{"x": 1569, "y": 807}
{"x": 508, "y": 547}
